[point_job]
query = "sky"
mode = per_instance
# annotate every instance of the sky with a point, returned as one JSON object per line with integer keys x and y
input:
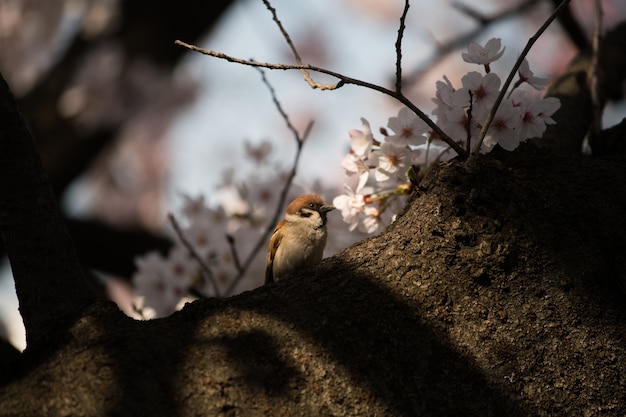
{"x": 248, "y": 32}
{"x": 355, "y": 38}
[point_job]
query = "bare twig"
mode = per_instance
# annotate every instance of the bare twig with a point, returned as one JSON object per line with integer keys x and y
{"x": 313, "y": 84}
{"x": 206, "y": 271}
{"x": 507, "y": 83}
{"x": 283, "y": 31}
{"x": 399, "y": 47}
{"x": 296, "y": 55}
{"x": 300, "y": 139}
{"x": 233, "y": 250}
{"x": 279, "y": 107}
{"x": 343, "y": 80}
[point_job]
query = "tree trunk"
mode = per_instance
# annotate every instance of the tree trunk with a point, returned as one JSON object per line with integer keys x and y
{"x": 499, "y": 292}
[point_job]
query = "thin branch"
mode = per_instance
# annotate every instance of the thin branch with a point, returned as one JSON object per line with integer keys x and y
{"x": 192, "y": 252}
{"x": 399, "y": 47}
{"x": 283, "y": 31}
{"x": 299, "y": 139}
{"x": 343, "y": 80}
{"x": 233, "y": 250}
{"x": 507, "y": 83}
{"x": 279, "y": 107}
{"x": 313, "y": 84}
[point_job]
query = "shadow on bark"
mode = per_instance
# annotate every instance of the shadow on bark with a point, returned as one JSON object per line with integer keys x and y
{"x": 493, "y": 294}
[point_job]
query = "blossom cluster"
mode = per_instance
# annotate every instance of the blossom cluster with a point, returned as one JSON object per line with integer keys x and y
{"x": 212, "y": 240}
{"x": 381, "y": 166}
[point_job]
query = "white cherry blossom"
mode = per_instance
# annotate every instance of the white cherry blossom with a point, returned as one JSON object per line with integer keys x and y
{"x": 528, "y": 77}
{"x": 391, "y": 161}
{"x": 503, "y": 128}
{"x": 371, "y": 220}
{"x": 408, "y": 128}
{"x": 535, "y": 114}
{"x": 484, "y": 93}
{"x": 351, "y": 205}
{"x": 477, "y": 54}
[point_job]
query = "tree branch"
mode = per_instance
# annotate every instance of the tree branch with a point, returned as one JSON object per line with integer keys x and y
{"x": 343, "y": 80}
{"x": 399, "y": 47}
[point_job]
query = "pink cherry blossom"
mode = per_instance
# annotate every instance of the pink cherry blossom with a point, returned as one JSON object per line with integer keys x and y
{"x": 361, "y": 140}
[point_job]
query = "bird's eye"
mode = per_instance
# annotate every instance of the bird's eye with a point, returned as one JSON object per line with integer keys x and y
{"x": 312, "y": 205}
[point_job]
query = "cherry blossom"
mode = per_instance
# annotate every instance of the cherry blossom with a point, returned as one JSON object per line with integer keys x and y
{"x": 180, "y": 266}
{"x": 443, "y": 99}
{"x": 456, "y": 124}
{"x": 153, "y": 282}
{"x": 408, "y": 128}
{"x": 535, "y": 115}
{"x": 371, "y": 220}
{"x": 200, "y": 235}
{"x": 355, "y": 165}
{"x": 477, "y": 54}
{"x": 391, "y": 160}
{"x": 361, "y": 140}
{"x": 351, "y": 205}
{"x": 443, "y": 94}
{"x": 461, "y": 114}
{"x": 484, "y": 93}
{"x": 503, "y": 128}
{"x": 194, "y": 207}
{"x": 528, "y": 77}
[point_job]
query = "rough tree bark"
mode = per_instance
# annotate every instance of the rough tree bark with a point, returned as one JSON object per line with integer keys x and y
{"x": 496, "y": 292}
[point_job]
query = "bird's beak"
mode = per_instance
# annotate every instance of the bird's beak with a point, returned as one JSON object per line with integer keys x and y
{"x": 326, "y": 208}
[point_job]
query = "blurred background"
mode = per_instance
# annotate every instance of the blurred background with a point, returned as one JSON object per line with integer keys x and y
{"x": 126, "y": 122}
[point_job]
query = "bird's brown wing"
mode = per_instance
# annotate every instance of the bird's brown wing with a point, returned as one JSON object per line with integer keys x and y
{"x": 271, "y": 252}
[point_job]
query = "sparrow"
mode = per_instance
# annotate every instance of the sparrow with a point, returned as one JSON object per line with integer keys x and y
{"x": 299, "y": 239}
